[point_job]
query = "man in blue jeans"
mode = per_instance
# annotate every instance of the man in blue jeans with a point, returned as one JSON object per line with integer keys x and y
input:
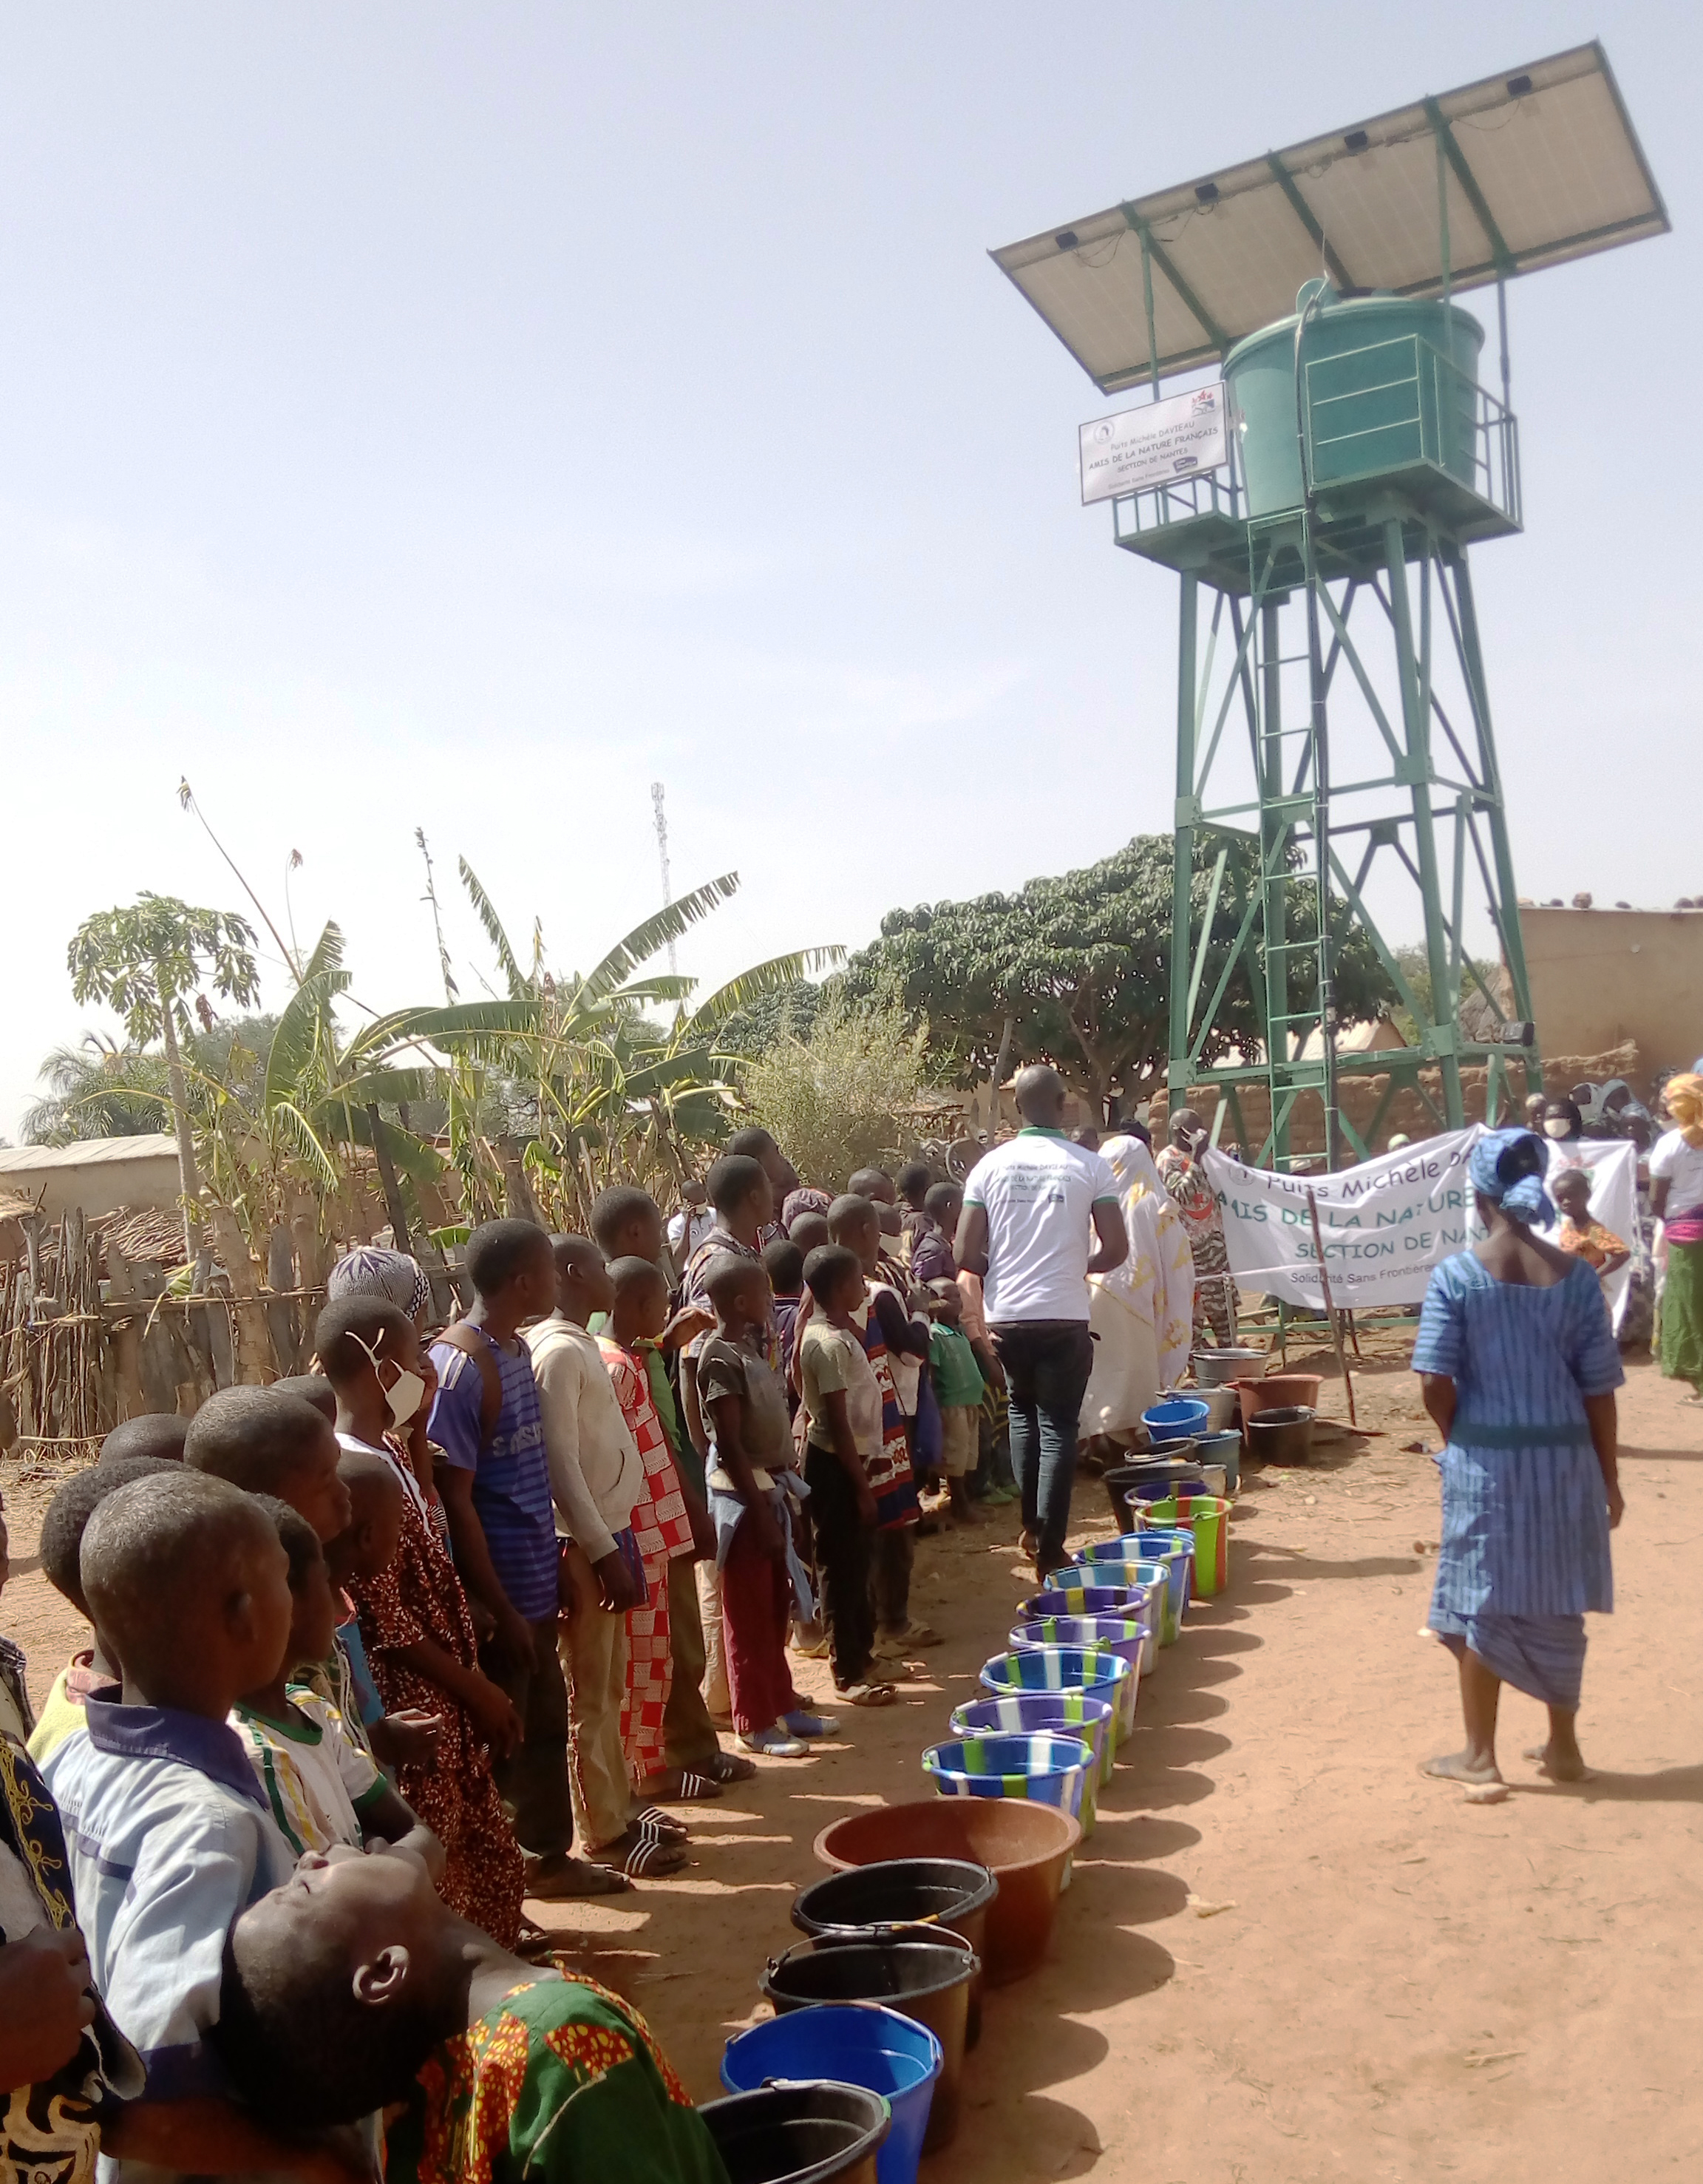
{"x": 1032, "y": 1207}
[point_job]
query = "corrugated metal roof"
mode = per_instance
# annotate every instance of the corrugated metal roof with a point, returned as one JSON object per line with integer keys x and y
{"x": 87, "y": 1152}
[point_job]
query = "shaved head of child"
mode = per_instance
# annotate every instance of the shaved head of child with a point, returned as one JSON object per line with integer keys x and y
{"x": 185, "y": 1575}
{"x": 270, "y": 1442}
{"x": 67, "y": 1514}
{"x": 640, "y": 1311}
{"x": 155, "y": 1433}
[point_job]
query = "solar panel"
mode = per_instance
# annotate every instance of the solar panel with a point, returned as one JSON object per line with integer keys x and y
{"x": 1539, "y": 165}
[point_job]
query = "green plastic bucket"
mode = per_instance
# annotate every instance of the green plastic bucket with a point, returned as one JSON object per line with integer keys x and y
{"x": 1207, "y": 1516}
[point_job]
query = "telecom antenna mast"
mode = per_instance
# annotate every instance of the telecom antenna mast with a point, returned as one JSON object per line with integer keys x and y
{"x": 1322, "y": 491}
{"x": 662, "y": 858}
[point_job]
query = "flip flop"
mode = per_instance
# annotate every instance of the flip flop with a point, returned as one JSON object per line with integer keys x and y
{"x": 537, "y": 1944}
{"x": 661, "y": 1827}
{"x": 694, "y": 1789}
{"x": 729, "y": 1767}
{"x": 869, "y": 1694}
{"x": 554, "y": 1883}
{"x": 637, "y": 1856}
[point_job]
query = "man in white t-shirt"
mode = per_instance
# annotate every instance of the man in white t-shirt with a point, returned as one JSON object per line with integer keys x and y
{"x": 687, "y": 1229}
{"x": 1032, "y": 1207}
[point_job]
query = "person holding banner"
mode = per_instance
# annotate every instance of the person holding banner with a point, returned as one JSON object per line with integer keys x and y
{"x": 1141, "y": 1315}
{"x": 1185, "y": 1177}
{"x": 1519, "y": 1366}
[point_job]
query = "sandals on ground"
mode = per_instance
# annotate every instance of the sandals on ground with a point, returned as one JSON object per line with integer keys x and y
{"x": 774, "y": 1743}
{"x": 729, "y": 1767}
{"x": 694, "y": 1788}
{"x": 661, "y": 1826}
{"x": 869, "y": 1694}
{"x": 560, "y": 1881}
{"x": 640, "y": 1856}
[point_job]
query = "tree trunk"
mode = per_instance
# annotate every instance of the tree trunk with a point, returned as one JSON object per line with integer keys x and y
{"x": 392, "y": 1189}
{"x": 1007, "y": 1032}
{"x": 188, "y": 1175}
{"x": 252, "y": 1365}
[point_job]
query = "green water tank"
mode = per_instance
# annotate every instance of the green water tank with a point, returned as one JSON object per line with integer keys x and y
{"x": 1388, "y": 384}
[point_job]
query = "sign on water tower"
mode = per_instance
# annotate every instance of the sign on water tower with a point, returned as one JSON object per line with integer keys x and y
{"x": 1153, "y": 445}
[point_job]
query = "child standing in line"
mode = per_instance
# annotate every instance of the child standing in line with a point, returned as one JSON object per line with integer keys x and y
{"x": 1585, "y": 1238}
{"x": 415, "y": 1618}
{"x": 958, "y": 1385}
{"x": 784, "y": 1264}
{"x": 662, "y": 1531}
{"x": 168, "y": 1832}
{"x": 752, "y": 1452}
{"x": 320, "y": 1787}
{"x": 882, "y": 1321}
{"x": 59, "y": 1547}
{"x": 842, "y": 1405}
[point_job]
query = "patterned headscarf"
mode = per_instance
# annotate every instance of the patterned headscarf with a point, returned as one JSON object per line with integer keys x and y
{"x": 1684, "y": 1098}
{"x": 1508, "y": 1167}
{"x": 369, "y": 1270}
{"x": 803, "y": 1200}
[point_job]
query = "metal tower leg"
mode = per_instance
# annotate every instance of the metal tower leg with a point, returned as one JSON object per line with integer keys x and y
{"x": 1507, "y": 907}
{"x": 1416, "y": 707}
{"x": 1182, "y": 891}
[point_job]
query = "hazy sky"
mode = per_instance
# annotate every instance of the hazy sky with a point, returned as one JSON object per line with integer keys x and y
{"x": 462, "y": 416}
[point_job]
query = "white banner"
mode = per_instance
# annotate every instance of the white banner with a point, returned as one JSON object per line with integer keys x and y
{"x": 1385, "y": 1224}
{"x": 1153, "y": 445}
{"x": 1388, "y": 1222}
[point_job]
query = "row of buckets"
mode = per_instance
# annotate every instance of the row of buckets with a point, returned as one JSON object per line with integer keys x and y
{"x": 859, "y": 2072}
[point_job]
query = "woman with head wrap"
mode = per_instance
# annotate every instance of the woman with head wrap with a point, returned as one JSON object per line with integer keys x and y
{"x": 1519, "y": 1366}
{"x": 1676, "y": 1198}
{"x": 1141, "y": 1314}
{"x": 370, "y": 1270}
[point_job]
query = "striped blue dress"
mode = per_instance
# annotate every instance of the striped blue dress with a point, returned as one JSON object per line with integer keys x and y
{"x": 1525, "y": 1548}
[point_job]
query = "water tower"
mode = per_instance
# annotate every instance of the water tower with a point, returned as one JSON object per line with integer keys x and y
{"x": 1323, "y": 491}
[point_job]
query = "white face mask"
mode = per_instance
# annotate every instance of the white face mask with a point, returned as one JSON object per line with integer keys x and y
{"x": 405, "y": 1394}
{"x": 1557, "y": 1126}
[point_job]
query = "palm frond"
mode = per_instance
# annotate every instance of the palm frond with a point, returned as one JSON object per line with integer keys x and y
{"x": 299, "y": 1135}
{"x": 389, "y": 1086}
{"x": 769, "y": 978}
{"x": 493, "y": 928}
{"x": 646, "y": 940}
{"x": 304, "y": 1024}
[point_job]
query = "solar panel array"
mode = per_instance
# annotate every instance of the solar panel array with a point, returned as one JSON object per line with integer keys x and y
{"x": 1540, "y": 165}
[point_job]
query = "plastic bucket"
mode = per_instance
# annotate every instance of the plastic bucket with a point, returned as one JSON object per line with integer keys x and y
{"x": 1208, "y": 1517}
{"x": 1138, "y": 1597}
{"x": 1179, "y": 1419}
{"x": 1154, "y": 1474}
{"x": 1282, "y": 1435}
{"x": 1026, "y": 1848}
{"x": 1123, "y": 1635}
{"x": 1225, "y": 1448}
{"x": 1223, "y": 1405}
{"x": 820, "y": 2133}
{"x": 863, "y": 2044}
{"x": 928, "y": 1981}
{"x": 1048, "y": 1769}
{"x": 1278, "y": 1391}
{"x": 1065, "y": 1668}
{"x": 951, "y": 1894}
{"x": 1071, "y": 1713}
{"x": 1174, "y": 1550}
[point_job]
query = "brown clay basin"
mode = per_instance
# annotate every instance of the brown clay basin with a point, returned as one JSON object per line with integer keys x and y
{"x": 1025, "y": 1847}
{"x": 1279, "y": 1391}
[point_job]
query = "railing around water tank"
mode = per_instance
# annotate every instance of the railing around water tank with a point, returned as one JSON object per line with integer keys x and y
{"x": 1397, "y": 404}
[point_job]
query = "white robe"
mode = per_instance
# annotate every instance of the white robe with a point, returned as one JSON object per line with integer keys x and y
{"x": 1142, "y": 1312}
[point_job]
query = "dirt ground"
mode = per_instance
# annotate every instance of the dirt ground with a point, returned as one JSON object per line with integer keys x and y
{"x": 1285, "y": 1955}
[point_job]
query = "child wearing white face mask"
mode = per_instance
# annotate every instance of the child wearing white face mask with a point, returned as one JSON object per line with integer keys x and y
{"x": 413, "y": 1616}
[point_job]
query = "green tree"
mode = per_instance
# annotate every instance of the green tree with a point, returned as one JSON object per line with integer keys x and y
{"x": 149, "y": 960}
{"x": 839, "y": 1100}
{"x": 789, "y": 1013}
{"x": 1076, "y": 970}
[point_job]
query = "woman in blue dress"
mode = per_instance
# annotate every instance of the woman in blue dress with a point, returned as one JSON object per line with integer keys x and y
{"x": 1519, "y": 1366}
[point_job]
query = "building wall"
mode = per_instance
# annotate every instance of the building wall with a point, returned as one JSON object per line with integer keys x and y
{"x": 1602, "y": 978}
{"x": 100, "y": 1177}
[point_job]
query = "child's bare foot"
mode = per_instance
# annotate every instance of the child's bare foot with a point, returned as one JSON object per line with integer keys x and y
{"x": 1463, "y": 1767}
{"x": 1560, "y": 1765}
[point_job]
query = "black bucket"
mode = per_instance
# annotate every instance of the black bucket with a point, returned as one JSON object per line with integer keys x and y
{"x": 1152, "y": 1477}
{"x": 928, "y": 1981}
{"x": 816, "y": 2133}
{"x": 951, "y": 1894}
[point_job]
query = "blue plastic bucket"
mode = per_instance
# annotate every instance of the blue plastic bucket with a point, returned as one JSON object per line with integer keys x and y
{"x": 857, "y": 2043}
{"x": 1225, "y": 1448}
{"x": 1142, "y": 1591}
{"x": 1047, "y": 1769}
{"x": 1071, "y": 1713}
{"x": 1174, "y": 1550}
{"x": 1065, "y": 1668}
{"x": 1180, "y": 1420}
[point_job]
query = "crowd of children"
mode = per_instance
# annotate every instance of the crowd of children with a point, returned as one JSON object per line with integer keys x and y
{"x": 378, "y": 1653}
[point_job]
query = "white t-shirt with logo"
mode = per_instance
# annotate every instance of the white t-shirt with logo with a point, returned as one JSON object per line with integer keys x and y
{"x": 1039, "y": 1190}
{"x": 1681, "y": 1165}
